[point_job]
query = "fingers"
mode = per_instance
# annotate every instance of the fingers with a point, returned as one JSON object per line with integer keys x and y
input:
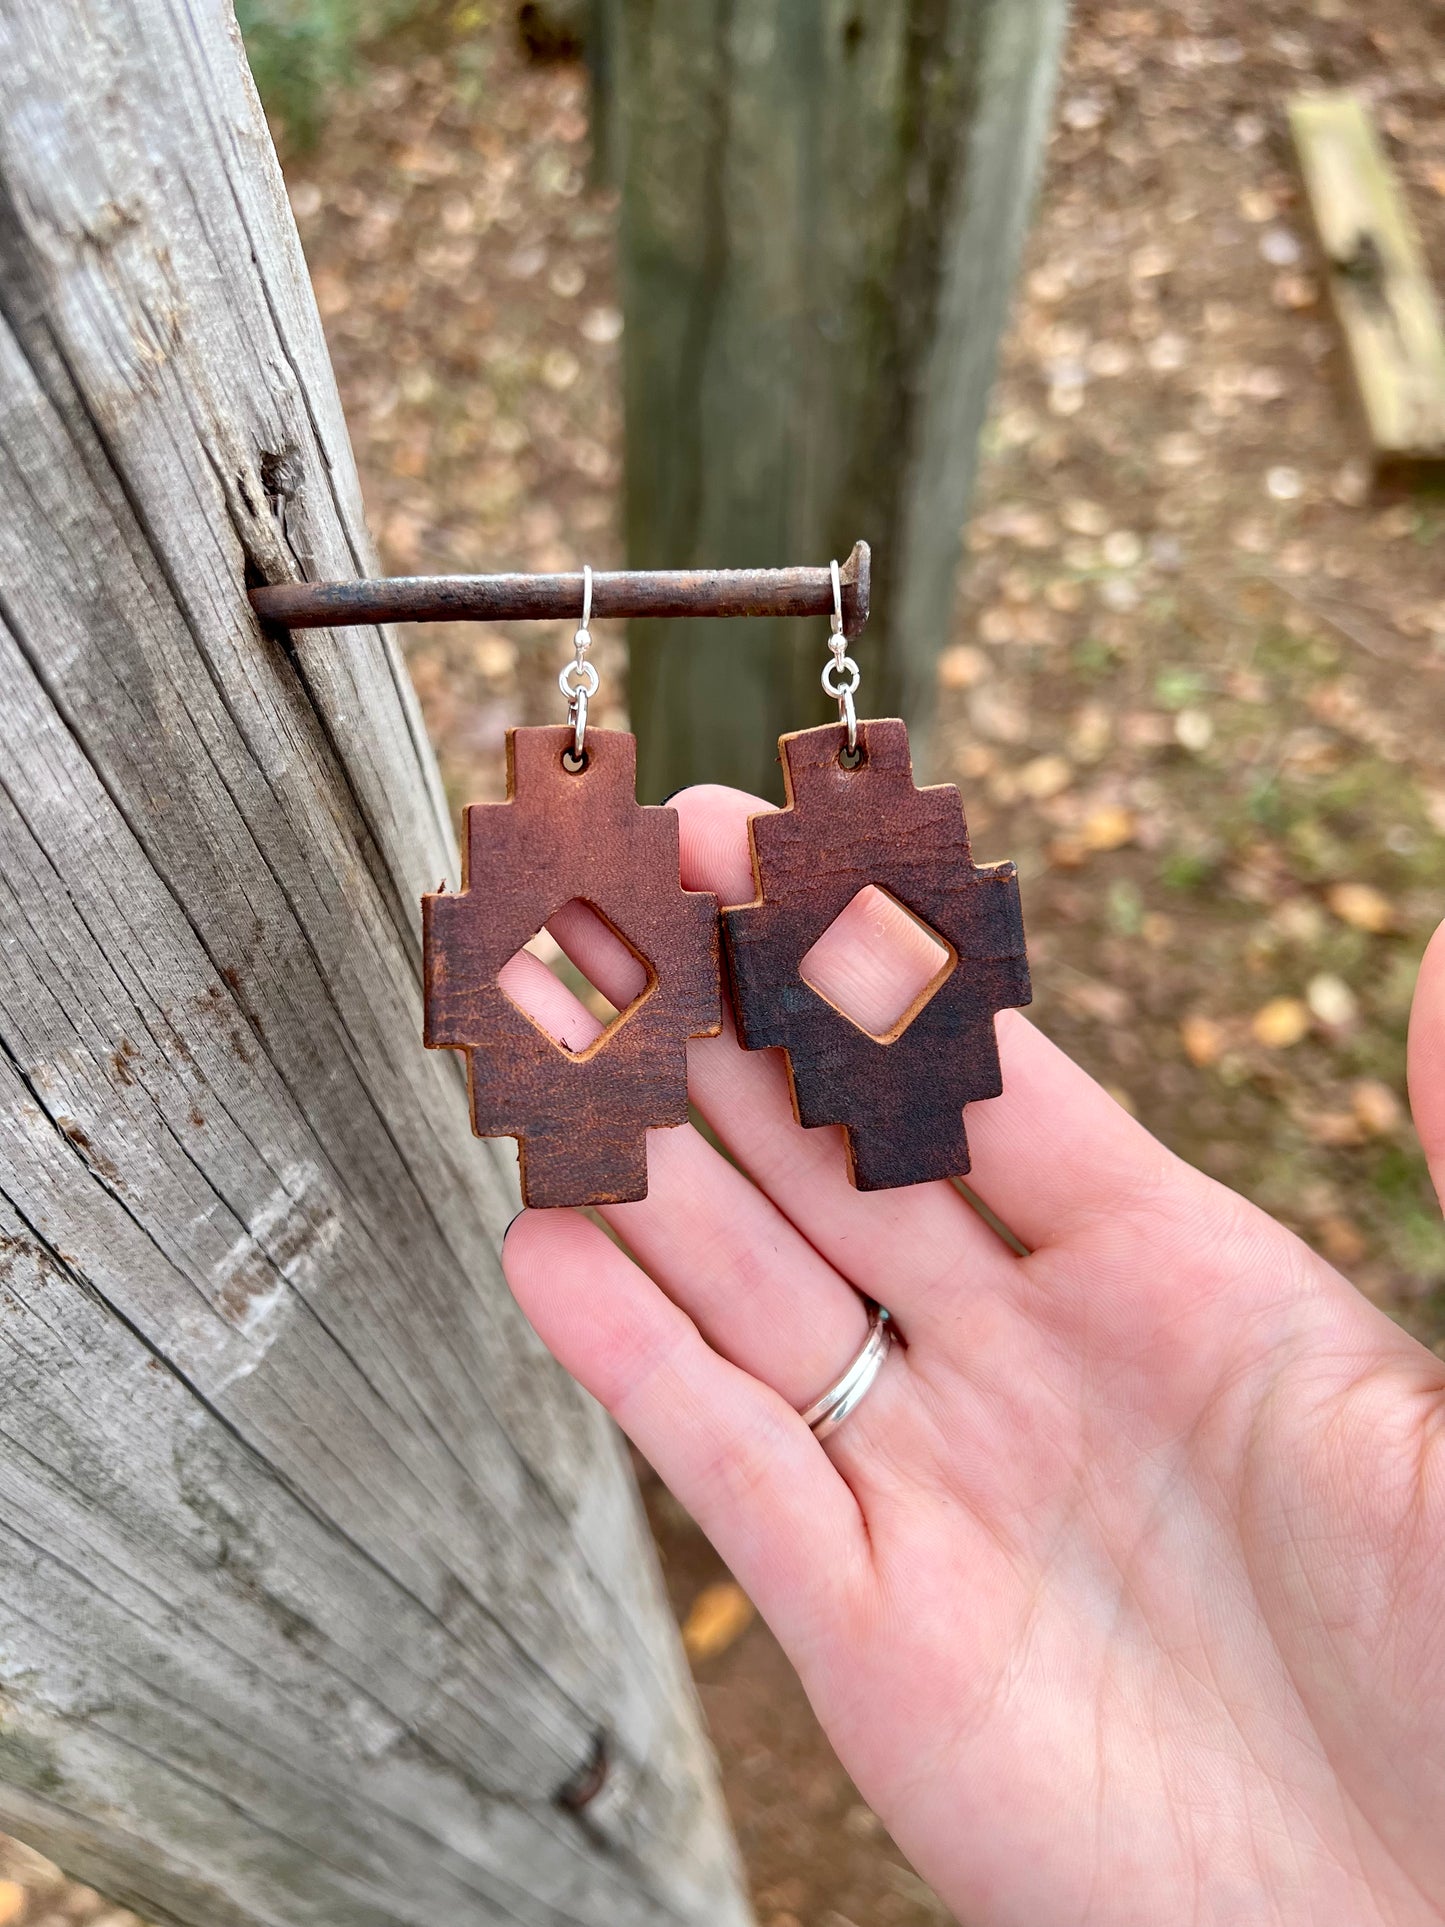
{"x": 1427, "y": 1058}
{"x": 601, "y": 956}
{"x": 611, "y": 965}
{"x": 735, "y": 1454}
{"x": 1056, "y": 1152}
{"x": 548, "y": 1002}
{"x": 873, "y": 960}
{"x": 1050, "y": 1153}
{"x": 753, "y": 1284}
{"x": 757, "y": 1290}
{"x": 920, "y": 1251}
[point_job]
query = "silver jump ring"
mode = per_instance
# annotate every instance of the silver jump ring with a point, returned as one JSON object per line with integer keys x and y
{"x": 832, "y": 671}
{"x": 574, "y": 760}
{"x": 588, "y": 685}
{"x": 846, "y": 1394}
{"x": 850, "y": 717}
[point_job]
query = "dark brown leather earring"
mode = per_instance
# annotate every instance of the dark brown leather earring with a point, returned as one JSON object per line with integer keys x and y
{"x": 572, "y": 828}
{"x": 853, "y": 817}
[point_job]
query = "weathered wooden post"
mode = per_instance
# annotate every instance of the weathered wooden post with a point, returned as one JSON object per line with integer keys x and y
{"x": 821, "y": 209}
{"x": 324, "y": 1598}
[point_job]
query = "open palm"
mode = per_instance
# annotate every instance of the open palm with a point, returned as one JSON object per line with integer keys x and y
{"x": 1120, "y": 1596}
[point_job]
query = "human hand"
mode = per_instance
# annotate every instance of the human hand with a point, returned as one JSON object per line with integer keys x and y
{"x": 1120, "y": 1595}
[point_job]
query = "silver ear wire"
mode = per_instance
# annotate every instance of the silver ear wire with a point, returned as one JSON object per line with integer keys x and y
{"x": 578, "y": 682}
{"x": 840, "y": 674}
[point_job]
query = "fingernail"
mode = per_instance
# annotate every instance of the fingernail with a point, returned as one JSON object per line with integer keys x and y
{"x": 671, "y": 793}
{"x": 510, "y": 1222}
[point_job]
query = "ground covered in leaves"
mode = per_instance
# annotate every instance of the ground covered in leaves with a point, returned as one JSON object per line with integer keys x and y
{"x": 1198, "y": 676}
{"x": 1196, "y": 685}
{"x": 1199, "y": 684}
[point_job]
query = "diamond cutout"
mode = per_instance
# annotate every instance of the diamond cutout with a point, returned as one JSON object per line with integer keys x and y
{"x": 598, "y": 979}
{"x": 877, "y": 964}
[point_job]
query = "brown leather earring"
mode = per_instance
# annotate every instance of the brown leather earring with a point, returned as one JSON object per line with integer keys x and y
{"x": 854, "y": 818}
{"x": 572, "y": 829}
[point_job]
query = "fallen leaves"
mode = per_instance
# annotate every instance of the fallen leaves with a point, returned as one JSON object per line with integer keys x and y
{"x": 1109, "y": 828}
{"x": 998, "y": 719}
{"x": 1294, "y": 291}
{"x": 719, "y": 1615}
{"x": 1080, "y": 516}
{"x": 1100, "y": 1002}
{"x": 1012, "y": 522}
{"x": 1376, "y": 1108}
{"x": 1331, "y": 1000}
{"x": 1341, "y": 1240}
{"x": 1203, "y": 1040}
{"x": 1375, "y": 1111}
{"x": 560, "y": 368}
{"x": 1045, "y": 777}
{"x": 961, "y": 666}
{"x": 1091, "y": 733}
{"x": 602, "y": 326}
{"x": 1284, "y": 484}
{"x": 1194, "y": 730}
{"x": 1151, "y": 262}
{"x": 1179, "y": 449}
{"x": 1281, "y": 1023}
{"x": 1123, "y": 549}
{"x": 1362, "y": 907}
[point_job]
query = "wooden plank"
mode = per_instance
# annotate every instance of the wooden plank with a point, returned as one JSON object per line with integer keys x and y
{"x": 320, "y": 1587}
{"x": 1378, "y": 278}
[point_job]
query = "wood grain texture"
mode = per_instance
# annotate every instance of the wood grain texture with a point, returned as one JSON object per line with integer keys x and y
{"x": 1378, "y": 278}
{"x": 321, "y": 1590}
{"x": 822, "y": 207}
{"x": 900, "y": 1099}
{"x": 581, "y": 1118}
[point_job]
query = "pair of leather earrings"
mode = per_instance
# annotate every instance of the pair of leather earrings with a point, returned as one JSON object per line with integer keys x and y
{"x": 572, "y": 828}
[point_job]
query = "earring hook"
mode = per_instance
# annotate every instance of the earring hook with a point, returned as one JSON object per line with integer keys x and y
{"x": 841, "y": 665}
{"x": 578, "y": 682}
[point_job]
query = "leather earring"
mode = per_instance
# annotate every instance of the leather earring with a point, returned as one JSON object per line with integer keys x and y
{"x": 572, "y": 829}
{"x": 854, "y": 818}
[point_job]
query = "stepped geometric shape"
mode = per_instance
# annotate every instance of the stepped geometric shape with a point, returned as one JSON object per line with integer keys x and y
{"x": 900, "y": 1098}
{"x": 873, "y": 913}
{"x": 543, "y": 945}
{"x": 580, "y": 1119}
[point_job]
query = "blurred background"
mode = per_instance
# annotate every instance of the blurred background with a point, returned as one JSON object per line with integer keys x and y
{"x": 1190, "y": 673}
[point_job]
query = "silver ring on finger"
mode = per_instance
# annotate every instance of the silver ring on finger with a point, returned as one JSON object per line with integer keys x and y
{"x": 847, "y": 1393}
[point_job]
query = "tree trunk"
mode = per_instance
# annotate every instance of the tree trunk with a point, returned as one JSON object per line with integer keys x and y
{"x": 324, "y": 1597}
{"x": 822, "y": 207}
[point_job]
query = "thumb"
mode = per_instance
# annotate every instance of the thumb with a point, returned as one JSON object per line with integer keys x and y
{"x": 1427, "y": 1058}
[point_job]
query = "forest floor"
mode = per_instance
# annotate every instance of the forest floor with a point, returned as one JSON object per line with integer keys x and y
{"x": 1196, "y": 685}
